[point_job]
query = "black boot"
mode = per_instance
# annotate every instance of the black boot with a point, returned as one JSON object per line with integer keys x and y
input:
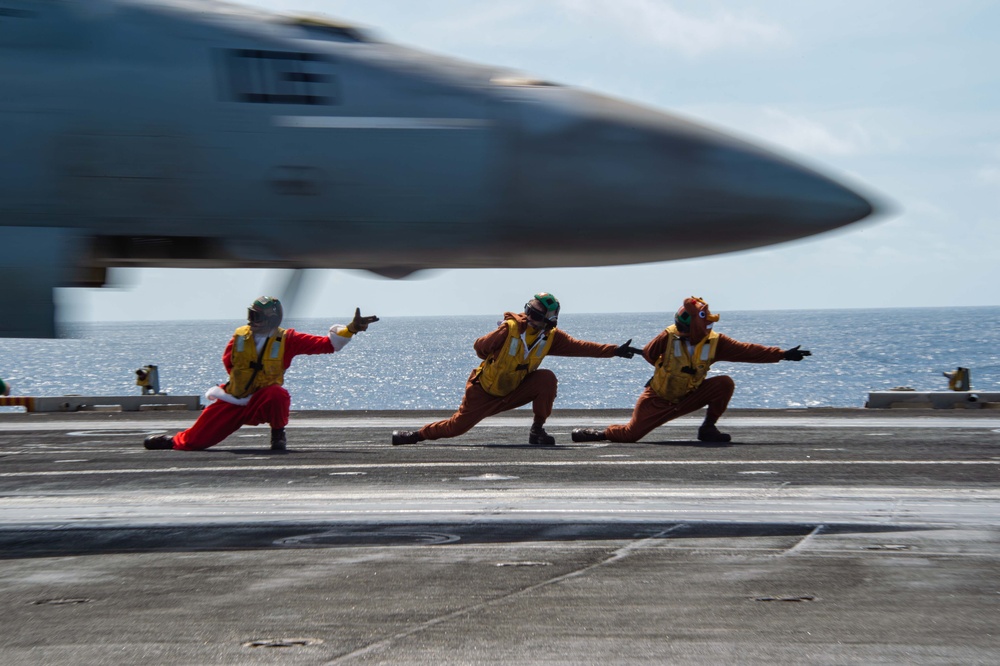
{"x": 538, "y": 437}
{"x": 158, "y": 442}
{"x": 278, "y": 440}
{"x": 709, "y": 433}
{"x": 404, "y": 437}
{"x": 588, "y": 435}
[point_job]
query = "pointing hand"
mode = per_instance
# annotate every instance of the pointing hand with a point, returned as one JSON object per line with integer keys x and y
{"x": 625, "y": 351}
{"x": 796, "y": 354}
{"x": 360, "y": 323}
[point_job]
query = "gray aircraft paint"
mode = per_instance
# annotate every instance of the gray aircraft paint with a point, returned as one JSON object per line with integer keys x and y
{"x": 203, "y": 134}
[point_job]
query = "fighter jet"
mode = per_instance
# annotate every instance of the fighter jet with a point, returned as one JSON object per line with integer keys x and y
{"x": 191, "y": 133}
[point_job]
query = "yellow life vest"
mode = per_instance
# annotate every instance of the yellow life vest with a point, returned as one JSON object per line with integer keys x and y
{"x": 247, "y": 376}
{"x": 504, "y": 371}
{"x": 669, "y": 380}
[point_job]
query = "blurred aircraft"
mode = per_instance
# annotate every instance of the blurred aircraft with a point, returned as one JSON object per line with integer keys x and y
{"x": 191, "y": 133}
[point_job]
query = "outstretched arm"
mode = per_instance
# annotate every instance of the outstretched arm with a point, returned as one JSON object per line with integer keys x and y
{"x": 746, "y": 352}
{"x": 341, "y": 335}
{"x": 565, "y": 345}
{"x": 304, "y": 343}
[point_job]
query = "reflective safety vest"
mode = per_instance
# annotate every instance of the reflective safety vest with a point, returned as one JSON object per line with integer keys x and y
{"x": 252, "y": 371}
{"x": 678, "y": 371}
{"x": 504, "y": 370}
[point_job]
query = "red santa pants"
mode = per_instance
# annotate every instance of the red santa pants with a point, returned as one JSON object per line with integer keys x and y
{"x": 538, "y": 388}
{"x": 652, "y": 411}
{"x": 221, "y": 419}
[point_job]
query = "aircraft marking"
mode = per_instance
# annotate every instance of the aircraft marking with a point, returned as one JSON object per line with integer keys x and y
{"x": 278, "y": 77}
{"x": 380, "y": 122}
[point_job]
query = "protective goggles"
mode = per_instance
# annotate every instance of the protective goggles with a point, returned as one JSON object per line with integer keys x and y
{"x": 534, "y": 314}
{"x": 256, "y": 316}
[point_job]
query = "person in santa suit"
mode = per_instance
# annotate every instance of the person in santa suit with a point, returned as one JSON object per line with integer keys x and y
{"x": 256, "y": 358}
{"x": 509, "y": 375}
{"x": 681, "y": 356}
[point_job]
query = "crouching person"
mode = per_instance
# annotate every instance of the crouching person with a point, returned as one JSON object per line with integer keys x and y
{"x": 681, "y": 356}
{"x": 256, "y": 358}
{"x": 509, "y": 376}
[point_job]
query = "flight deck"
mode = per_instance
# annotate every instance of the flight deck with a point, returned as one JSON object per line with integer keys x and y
{"x": 816, "y": 536}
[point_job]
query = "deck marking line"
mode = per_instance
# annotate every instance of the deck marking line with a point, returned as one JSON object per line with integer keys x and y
{"x": 619, "y": 554}
{"x": 453, "y": 465}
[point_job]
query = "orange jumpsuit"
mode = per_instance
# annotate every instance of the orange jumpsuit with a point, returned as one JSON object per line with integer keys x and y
{"x": 538, "y": 388}
{"x": 652, "y": 411}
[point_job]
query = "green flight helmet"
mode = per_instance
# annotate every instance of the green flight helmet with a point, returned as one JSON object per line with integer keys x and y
{"x": 266, "y": 311}
{"x": 549, "y": 311}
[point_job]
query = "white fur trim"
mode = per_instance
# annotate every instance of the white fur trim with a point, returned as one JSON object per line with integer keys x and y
{"x": 216, "y": 393}
{"x": 339, "y": 336}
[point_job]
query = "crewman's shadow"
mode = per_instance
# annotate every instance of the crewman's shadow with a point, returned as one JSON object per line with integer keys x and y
{"x": 694, "y": 443}
{"x": 254, "y": 452}
{"x": 534, "y": 447}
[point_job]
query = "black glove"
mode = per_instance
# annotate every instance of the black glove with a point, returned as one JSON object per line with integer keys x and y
{"x": 796, "y": 354}
{"x": 624, "y": 351}
{"x": 360, "y": 323}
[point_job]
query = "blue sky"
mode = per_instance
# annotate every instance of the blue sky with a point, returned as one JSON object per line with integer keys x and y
{"x": 899, "y": 98}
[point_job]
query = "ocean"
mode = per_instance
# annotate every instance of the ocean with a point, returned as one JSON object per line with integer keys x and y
{"x": 423, "y": 362}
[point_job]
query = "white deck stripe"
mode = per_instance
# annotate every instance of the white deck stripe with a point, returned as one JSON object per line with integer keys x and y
{"x": 472, "y": 463}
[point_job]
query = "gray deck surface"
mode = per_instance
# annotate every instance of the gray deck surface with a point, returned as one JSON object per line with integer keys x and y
{"x": 817, "y": 536}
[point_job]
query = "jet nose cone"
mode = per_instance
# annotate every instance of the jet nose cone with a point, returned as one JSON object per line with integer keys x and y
{"x": 766, "y": 184}
{"x": 617, "y": 183}
{"x": 745, "y": 195}
{"x": 837, "y": 205}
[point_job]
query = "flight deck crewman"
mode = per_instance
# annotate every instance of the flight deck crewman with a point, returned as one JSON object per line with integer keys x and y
{"x": 256, "y": 359}
{"x": 509, "y": 376}
{"x": 4, "y": 388}
{"x": 681, "y": 356}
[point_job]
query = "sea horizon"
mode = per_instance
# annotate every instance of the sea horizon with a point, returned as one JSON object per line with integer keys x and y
{"x": 488, "y": 314}
{"x": 405, "y": 362}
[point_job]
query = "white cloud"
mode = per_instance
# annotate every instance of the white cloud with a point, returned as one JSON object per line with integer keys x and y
{"x": 811, "y": 137}
{"x": 660, "y": 22}
{"x": 989, "y": 175}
